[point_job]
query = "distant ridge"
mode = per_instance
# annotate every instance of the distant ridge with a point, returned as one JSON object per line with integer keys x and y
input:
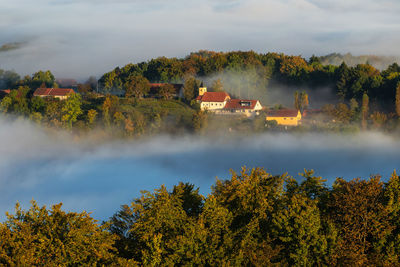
{"x": 379, "y": 62}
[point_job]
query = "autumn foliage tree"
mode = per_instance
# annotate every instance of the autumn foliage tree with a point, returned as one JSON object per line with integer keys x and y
{"x": 358, "y": 210}
{"x": 41, "y": 236}
{"x": 71, "y": 109}
{"x": 167, "y": 91}
{"x": 136, "y": 86}
{"x": 253, "y": 218}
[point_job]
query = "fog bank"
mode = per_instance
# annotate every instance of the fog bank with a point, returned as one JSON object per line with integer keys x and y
{"x": 54, "y": 168}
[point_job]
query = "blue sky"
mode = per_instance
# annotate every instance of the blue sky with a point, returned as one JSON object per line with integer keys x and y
{"x": 89, "y": 37}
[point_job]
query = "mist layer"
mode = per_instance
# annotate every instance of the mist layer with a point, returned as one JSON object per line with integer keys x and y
{"x": 52, "y": 168}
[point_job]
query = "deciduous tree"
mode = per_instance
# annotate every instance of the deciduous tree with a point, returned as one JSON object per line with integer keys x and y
{"x": 71, "y": 109}
{"x": 136, "y": 86}
{"x": 364, "y": 111}
{"x": 191, "y": 88}
{"x": 166, "y": 91}
{"x": 42, "y": 236}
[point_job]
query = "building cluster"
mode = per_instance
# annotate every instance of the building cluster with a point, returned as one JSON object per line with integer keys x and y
{"x": 221, "y": 103}
{"x": 215, "y": 102}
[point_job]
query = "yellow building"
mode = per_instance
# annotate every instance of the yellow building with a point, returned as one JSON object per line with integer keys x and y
{"x": 202, "y": 91}
{"x": 286, "y": 117}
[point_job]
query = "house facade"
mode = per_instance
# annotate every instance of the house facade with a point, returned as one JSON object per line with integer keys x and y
{"x": 59, "y": 93}
{"x": 221, "y": 103}
{"x": 212, "y": 100}
{"x": 248, "y": 108}
{"x": 286, "y": 117}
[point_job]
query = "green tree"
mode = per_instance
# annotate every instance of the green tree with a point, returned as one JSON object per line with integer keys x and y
{"x": 364, "y": 111}
{"x": 398, "y": 100}
{"x": 91, "y": 117}
{"x": 107, "y": 104}
{"x": 41, "y": 236}
{"x": 357, "y": 208}
{"x": 391, "y": 248}
{"x": 304, "y": 100}
{"x": 8, "y": 79}
{"x": 119, "y": 118}
{"x": 297, "y": 100}
{"x": 109, "y": 107}
{"x": 71, "y": 109}
{"x": 20, "y": 100}
{"x": 378, "y": 119}
{"x": 36, "y": 117}
{"x": 38, "y": 104}
{"x": 166, "y": 91}
{"x": 53, "y": 110}
{"x": 5, "y": 104}
{"x": 153, "y": 228}
{"x": 301, "y": 100}
{"x": 354, "y": 109}
{"x": 136, "y": 86}
{"x": 129, "y": 127}
{"x": 299, "y": 231}
{"x": 252, "y": 198}
{"x": 343, "y": 80}
{"x": 342, "y": 113}
{"x": 199, "y": 121}
{"x": 41, "y": 77}
{"x": 191, "y": 88}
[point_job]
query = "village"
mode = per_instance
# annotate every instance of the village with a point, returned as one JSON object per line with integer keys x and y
{"x": 218, "y": 103}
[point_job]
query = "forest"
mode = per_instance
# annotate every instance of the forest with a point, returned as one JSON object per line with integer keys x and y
{"x": 254, "y": 218}
{"x": 357, "y": 96}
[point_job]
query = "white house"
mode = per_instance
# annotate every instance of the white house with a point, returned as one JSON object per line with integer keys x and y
{"x": 212, "y": 100}
{"x": 60, "y": 93}
{"x": 221, "y": 103}
{"x": 241, "y": 106}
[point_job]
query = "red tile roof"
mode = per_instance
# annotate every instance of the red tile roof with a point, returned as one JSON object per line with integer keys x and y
{"x": 240, "y": 104}
{"x": 283, "y": 113}
{"x": 52, "y": 92}
{"x": 6, "y": 91}
{"x": 213, "y": 97}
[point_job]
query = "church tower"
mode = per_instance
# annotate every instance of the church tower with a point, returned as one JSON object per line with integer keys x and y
{"x": 202, "y": 90}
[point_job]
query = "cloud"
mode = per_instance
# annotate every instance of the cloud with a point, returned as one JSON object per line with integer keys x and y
{"x": 79, "y": 38}
{"x": 10, "y": 46}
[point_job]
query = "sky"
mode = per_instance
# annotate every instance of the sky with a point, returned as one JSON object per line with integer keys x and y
{"x": 79, "y": 38}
